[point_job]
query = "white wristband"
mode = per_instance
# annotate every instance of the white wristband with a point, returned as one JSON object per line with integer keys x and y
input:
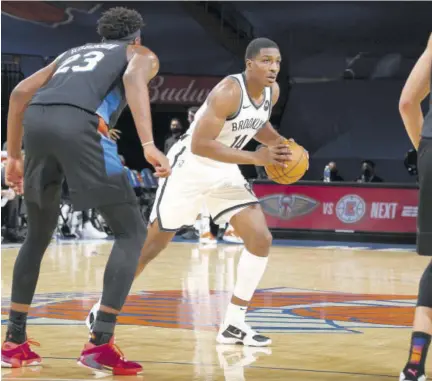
{"x": 148, "y": 143}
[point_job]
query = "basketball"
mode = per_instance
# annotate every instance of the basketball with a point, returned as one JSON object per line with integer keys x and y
{"x": 296, "y": 168}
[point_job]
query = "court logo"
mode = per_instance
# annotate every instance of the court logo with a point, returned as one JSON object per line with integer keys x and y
{"x": 350, "y": 208}
{"x": 281, "y": 310}
{"x": 287, "y": 207}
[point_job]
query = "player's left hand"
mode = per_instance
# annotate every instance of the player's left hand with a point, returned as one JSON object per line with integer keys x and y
{"x": 114, "y": 134}
{"x": 14, "y": 176}
{"x": 158, "y": 160}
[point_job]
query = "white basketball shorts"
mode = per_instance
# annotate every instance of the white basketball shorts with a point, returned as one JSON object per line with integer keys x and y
{"x": 194, "y": 181}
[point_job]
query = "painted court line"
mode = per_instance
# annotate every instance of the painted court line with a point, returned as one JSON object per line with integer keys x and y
{"x": 212, "y": 365}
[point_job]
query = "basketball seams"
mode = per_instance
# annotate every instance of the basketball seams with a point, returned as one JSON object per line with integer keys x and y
{"x": 276, "y": 175}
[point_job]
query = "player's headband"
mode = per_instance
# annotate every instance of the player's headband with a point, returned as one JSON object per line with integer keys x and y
{"x": 131, "y": 36}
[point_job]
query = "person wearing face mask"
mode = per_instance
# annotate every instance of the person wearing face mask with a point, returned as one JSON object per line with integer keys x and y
{"x": 368, "y": 173}
{"x": 176, "y": 131}
{"x": 191, "y": 113}
{"x": 331, "y": 173}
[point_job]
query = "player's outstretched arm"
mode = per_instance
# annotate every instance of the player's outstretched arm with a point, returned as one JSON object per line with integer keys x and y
{"x": 224, "y": 101}
{"x": 143, "y": 66}
{"x": 20, "y": 97}
{"x": 416, "y": 88}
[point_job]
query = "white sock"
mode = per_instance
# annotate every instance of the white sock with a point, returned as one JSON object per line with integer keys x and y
{"x": 250, "y": 270}
{"x": 235, "y": 313}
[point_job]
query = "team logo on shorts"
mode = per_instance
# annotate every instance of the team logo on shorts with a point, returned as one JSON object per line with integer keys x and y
{"x": 287, "y": 207}
{"x": 350, "y": 208}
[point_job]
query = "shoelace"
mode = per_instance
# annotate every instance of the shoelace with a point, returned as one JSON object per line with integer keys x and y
{"x": 29, "y": 342}
{"x": 118, "y": 351}
{"x": 33, "y": 342}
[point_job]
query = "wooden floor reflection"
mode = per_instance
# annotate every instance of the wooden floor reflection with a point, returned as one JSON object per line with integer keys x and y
{"x": 333, "y": 314}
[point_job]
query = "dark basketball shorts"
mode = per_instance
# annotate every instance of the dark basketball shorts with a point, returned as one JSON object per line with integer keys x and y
{"x": 62, "y": 141}
{"x": 424, "y": 218}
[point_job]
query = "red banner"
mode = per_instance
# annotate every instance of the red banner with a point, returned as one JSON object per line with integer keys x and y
{"x": 179, "y": 89}
{"x": 339, "y": 208}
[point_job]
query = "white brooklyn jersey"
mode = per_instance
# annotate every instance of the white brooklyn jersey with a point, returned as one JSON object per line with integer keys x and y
{"x": 241, "y": 127}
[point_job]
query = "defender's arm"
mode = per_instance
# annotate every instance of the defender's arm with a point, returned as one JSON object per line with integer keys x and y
{"x": 143, "y": 66}
{"x": 416, "y": 88}
{"x": 20, "y": 97}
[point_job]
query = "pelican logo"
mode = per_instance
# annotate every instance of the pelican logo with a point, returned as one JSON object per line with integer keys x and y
{"x": 266, "y": 105}
{"x": 287, "y": 207}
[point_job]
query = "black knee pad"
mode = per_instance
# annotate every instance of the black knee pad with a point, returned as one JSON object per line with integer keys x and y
{"x": 425, "y": 288}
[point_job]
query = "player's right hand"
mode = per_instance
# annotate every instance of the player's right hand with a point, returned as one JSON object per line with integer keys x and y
{"x": 276, "y": 155}
{"x": 158, "y": 160}
{"x": 14, "y": 176}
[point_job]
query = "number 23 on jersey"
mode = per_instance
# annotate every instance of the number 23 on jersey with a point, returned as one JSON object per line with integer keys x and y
{"x": 82, "y": 62}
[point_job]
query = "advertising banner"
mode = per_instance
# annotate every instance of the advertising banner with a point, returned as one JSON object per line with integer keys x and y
{"x": 180, "y": 89}
{"x": 339, "y": 208}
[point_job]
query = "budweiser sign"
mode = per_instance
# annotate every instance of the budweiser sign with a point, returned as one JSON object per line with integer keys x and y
{"x": 178, "y": 89}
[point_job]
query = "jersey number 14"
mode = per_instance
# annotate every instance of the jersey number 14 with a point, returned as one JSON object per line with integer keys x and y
{"x": 239, "y": 141}
{"x": 86, "y": 62}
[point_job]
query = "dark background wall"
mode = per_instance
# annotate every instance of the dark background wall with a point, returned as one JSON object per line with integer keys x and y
{"x": 344, "y": 65}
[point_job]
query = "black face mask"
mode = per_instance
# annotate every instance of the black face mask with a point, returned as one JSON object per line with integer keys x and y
{"x": 176, "y": 131}
{"x": 367, "y": 172}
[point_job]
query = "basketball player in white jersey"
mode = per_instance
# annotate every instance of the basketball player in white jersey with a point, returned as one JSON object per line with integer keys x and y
{"x": 204, "y": 168}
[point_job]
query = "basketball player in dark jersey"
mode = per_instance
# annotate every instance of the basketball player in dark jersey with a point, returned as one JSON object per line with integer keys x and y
{"x": 417, "y": 87}
{"x": 60, "y": 111}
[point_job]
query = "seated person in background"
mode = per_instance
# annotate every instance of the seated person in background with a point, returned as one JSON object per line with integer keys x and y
{"x": 368, "y": 173}
{"x": 176, "y": 131}
{"x": 191, "y": 113}
{"x": 331, "y": 173}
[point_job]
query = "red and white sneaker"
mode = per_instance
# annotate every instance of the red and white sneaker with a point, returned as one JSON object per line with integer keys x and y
{"x": 108, "y": 358}
{"x": 18, "y": 355}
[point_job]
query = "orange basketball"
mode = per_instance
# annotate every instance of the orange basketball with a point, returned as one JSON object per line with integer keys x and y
{"x": 296, "y": 168}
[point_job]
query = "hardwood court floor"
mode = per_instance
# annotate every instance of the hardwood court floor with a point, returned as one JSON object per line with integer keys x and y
{"x": 332, "y": 314}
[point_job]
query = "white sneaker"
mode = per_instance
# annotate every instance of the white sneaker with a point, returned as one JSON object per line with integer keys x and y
{"x": 90, "y": 232}
{"x": 241, "y": 333}
{"x": 91, "y": 317}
